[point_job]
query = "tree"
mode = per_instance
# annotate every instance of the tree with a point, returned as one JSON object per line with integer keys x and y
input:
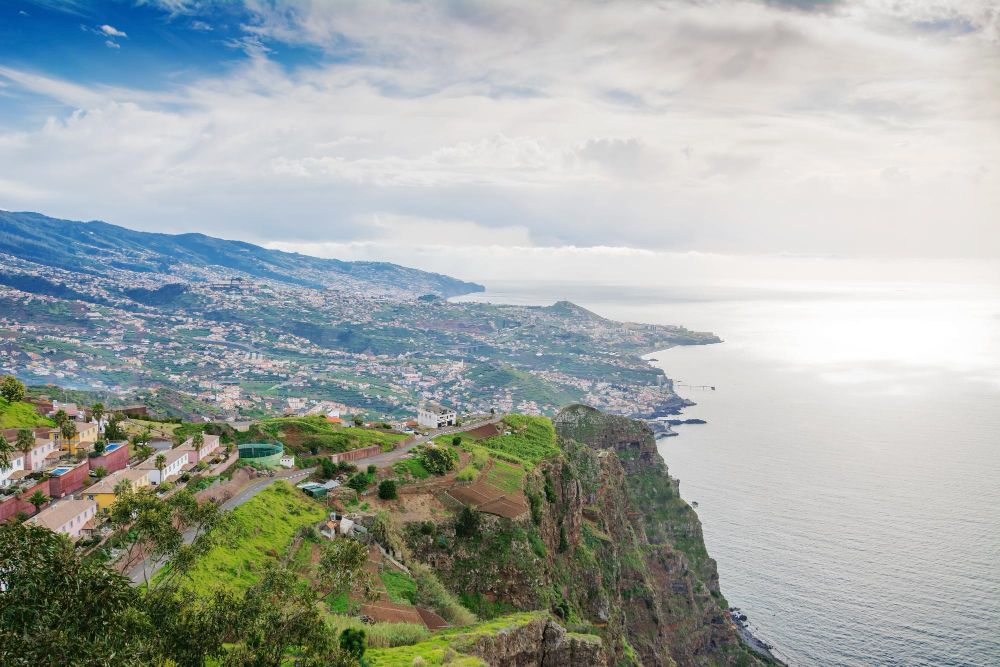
{"x": 386, "y": 532}
{"x": 68, "y": 430}
{"x": 100, "y": 472}
{"x": 6, "y": 454}
{"x": 198, "y": 439}
{"x": 160, "y": 462}
{"x": 97, "y": 412}
{"x": 25, "y": 442}
{"x": 38, "y": 498}
{"x": 327, "y": 468}
{"x": 439, "y": 460}
{"x": 144, "y": 452}
{"x": 354, "y": 641}
{"x": 114, "y": 430}
{"x": 493, "y": 411}
{"x": 60, "y": 417}
{"x": 457, "y": 440}
{"x": 372, "y": 469}
{"x": 468, "y": 522}
{"x": 12, "y": 389}
{"x": 358, "y": 482}
{"x": 100, "y": 446}
{"x": 387, "y": 490}
{"x": 358, "y": 421}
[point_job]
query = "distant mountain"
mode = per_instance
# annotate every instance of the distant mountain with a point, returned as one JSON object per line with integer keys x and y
{"x": 101, "y": 248}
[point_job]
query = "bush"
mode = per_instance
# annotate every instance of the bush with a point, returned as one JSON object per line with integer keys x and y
{"x": 467, "y": 525}
{"x": 457, "y": 440}
{"x": 467, "y": 474}
{"x": 428, "y": 527}
{"x": 372, "y": 469}
{"x": 480, "y": 457}
{"x": 328, "y": 468}
{"x": 387, "y": 490}
{"x": 535, "y": 500}
{"x": 439, "y": 460}
{"x": 353, "y": 640}
{"x": 358, "y": 482}
{"x": 550, "y": 489}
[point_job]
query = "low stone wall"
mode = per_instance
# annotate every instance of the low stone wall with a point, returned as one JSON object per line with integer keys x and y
{"x": 356, "y": 454}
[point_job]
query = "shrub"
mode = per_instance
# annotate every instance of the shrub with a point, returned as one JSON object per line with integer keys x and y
{"x": 439, "y": 460}
{"x": 480, "y": 457}
{"x": 372, "y": 469}
{"x": 467, "y": 524}
{"x": 353, "y": 641}
{"x": 387, "y": 490}
{"x": 428, "y": 527}
{"x": 550, "y": 489}
{"x": 457, "y": 440}
{"x": 537, "y": 546}
{"x": 328, "y": 468}
{"x": 535, "y": 500}
{"x": 358, "y": 482}
{"x": 467, "y": 474}
{"x": 563, "y": 541}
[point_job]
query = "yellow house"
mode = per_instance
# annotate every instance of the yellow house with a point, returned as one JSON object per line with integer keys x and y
{"x": 86, "y": 435}
{"x": 104, "y": 490}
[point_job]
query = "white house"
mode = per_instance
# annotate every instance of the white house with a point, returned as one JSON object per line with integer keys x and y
{"x": 16, "y": 463}
{"x": 210, "y": 444}
{"x": 433, "y": 415}
{"x": 287, "y": 460}
{"x": 176, "y": 459}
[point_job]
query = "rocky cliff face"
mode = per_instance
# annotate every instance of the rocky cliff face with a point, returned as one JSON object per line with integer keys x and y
{"x": 609, "y": 547}
{"x": 539, "y": 643}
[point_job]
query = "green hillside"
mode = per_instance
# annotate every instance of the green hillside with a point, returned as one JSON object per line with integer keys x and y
{"x": 18, "y": 415}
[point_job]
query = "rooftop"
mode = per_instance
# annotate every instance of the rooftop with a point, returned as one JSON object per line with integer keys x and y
{"x": 56, "y": 516}
{"x": 436, "y": 409}
{"x": 108, "y": 484}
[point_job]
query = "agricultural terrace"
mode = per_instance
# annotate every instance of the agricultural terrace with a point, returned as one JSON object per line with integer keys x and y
{"x": 314, "y": 435}
{"x": 448, "y": 646}
{"x": 264, "y": 526}
{"x": 531, "y": 439}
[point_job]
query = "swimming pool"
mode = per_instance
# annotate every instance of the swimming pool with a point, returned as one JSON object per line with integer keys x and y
{"x": 59, "y": 471}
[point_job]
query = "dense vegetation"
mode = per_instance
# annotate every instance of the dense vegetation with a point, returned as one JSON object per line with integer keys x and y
{"x": 531, "y": 439}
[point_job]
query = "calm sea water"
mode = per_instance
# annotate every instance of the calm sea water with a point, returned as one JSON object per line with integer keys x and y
{"x": 848, "y": 478}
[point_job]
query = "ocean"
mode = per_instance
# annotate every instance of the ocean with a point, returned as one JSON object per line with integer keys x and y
{"x": 848, "y": 478}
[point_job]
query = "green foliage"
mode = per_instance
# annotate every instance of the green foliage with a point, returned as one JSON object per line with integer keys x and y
{"x": 532, "y": 439}
{"x": 359, "y": 481}
{"x": 21, "y": 415}
{"x": 537, "y": 546}
{"x": 550, "y": 488}
{"x": 439, "y": 460}
{"x": 387, "y": 490}
{"x": 457, "y": 440}
{"x": 535, "y": 502}
{"x": 327, "y": 468}
{"x": 467, "y": 474}
{"x": 263, "y": 525}
{"x": 483, "y": 607}
{"x": 413, "y": 467}
{"x": 506, "y": 477}
{"x": 12, "y": 389}
{"x": 563, "y": 541}
{"x": 432, "y": 594}
{"x": 401, "y": 588}
{"x": 372, "y": 469}
{"x": 353, "y": 641}
{"x": 467, "y": 524}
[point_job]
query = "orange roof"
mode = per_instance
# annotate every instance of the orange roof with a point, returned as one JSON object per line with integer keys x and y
{"x": 335, "y": 420}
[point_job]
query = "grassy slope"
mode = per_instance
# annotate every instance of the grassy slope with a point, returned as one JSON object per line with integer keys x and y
{"x": 17, "y": 415}
{"x": 527, "y": 447}
{"x": 268, "y": 521}
{"x": 300, "y": 434}
{"x": 433, "y": 651}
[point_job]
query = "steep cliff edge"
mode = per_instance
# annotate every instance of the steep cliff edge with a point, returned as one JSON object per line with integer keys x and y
{"x": 609, "y": 547}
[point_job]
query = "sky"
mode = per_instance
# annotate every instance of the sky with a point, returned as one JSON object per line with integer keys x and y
{"x": 512, "y": 139}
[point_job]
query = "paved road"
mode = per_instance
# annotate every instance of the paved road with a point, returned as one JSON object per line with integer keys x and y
{"x": 139, "y": 574}
{"x": 387, "y": 459}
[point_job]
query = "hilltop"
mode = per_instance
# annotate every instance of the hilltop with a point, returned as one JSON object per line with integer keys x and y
{"x": 99, "y": 248}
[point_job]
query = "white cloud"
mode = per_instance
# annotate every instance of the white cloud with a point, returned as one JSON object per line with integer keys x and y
{"x": 732, "y": 126}
{"x": 112, "y": 45}
{"x": 112, "y": 32}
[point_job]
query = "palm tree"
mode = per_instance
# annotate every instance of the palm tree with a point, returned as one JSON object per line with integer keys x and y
{"x": 100, "y": 472}
{"x": 38, "y": 498}
{"x": 144, "y": 452}
{"x": 161, "y": 463}
{"x": 6, "y": 454}
{"x": 25, "y": 443}
{"x": 198, "y": 440}
{"x": 60, "y": 417}
{"x": 68, "y": 430}
{"x": 97, "y": 411}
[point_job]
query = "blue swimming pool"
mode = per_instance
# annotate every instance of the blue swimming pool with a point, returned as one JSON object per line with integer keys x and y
{"x": 59, "y": 471}
{"x": 111, "y": 448}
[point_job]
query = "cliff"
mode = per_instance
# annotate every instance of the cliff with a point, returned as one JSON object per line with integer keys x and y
{"x": 609, "y": 547}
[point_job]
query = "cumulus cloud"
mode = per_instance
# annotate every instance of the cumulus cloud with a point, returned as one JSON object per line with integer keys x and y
{"x": 112, "y": 32}
{"x": 112, "y": 45}
{"x": 732, "y": 126}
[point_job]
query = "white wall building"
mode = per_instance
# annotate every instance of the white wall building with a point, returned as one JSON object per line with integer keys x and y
{"x": 433, "y": 415}
{"x": 176, "y": 459}
{"x": 67, "y": 516}
{"x": 16, "y": 463}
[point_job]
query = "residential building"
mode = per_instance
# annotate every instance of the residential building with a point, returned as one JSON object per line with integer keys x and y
{"x": 16, "y": 463}
{"x": 69, "y": 517}
{"x": 103, "y": 492}
{"x": 210, "y": 444}
{"x": 433, "y": 415}
{"x": 176, "y": 459}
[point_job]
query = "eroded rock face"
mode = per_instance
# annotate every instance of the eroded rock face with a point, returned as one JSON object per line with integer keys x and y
{"x": 538, "y": 643}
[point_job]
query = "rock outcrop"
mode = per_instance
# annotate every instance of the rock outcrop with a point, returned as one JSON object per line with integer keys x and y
{"x": 538, "y": 643}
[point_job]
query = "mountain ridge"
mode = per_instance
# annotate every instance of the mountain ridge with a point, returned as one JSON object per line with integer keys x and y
{"x": 100, "y": 248}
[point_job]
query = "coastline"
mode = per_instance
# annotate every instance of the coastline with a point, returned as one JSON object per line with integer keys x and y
{"x": 662, "y": 429}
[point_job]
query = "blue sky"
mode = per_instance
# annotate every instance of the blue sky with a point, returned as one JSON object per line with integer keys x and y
{"x": 441, "y": 131}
